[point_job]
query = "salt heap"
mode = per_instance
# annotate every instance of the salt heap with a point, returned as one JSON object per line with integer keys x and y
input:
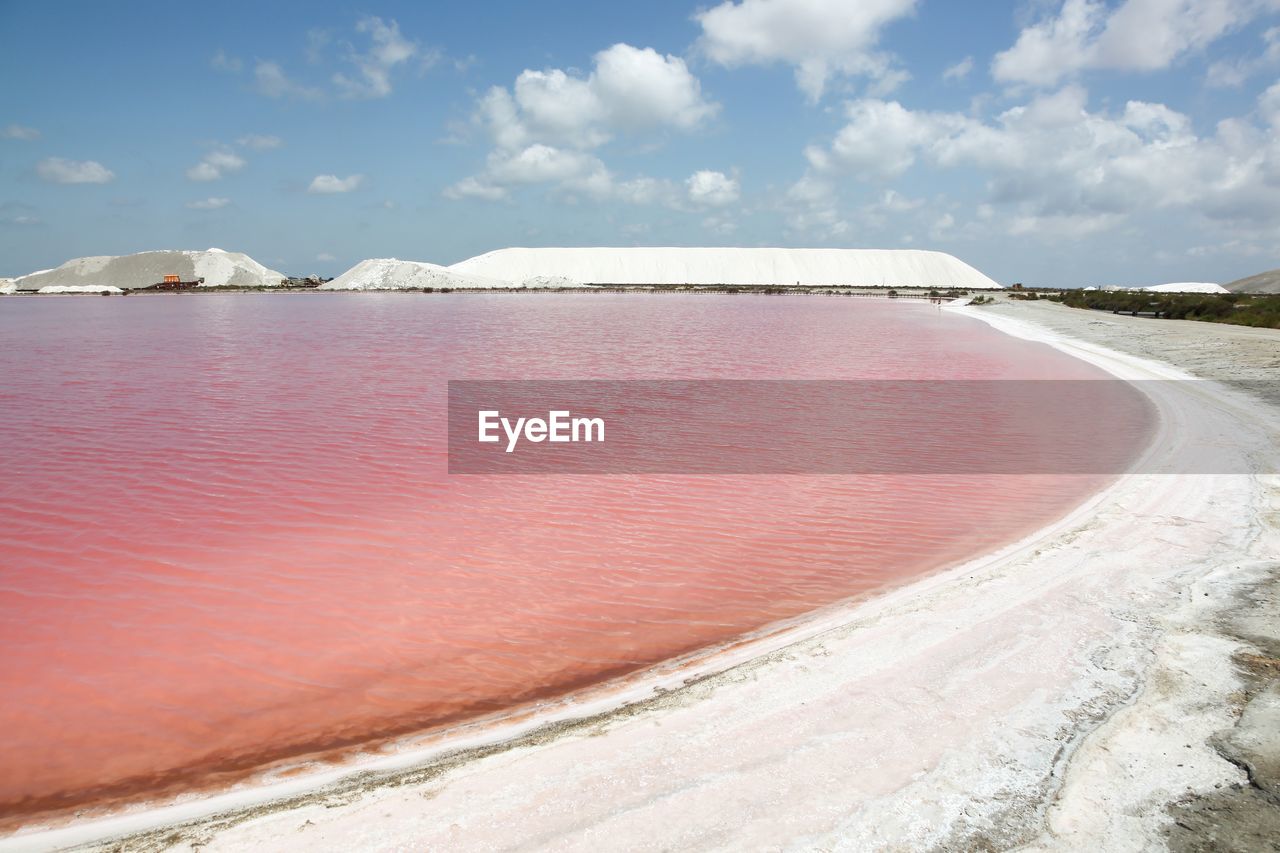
{"x": 394, "y": 274}
{"x": 8, "y": 285}
{"x": 1186, "y": 287}
{"x": 79, "y": 288}
{"x": 550, "y": 281}
{"x": 710, "y": 266}
{"x": 1175, "y": 287}
{"x": 144, "y": 269}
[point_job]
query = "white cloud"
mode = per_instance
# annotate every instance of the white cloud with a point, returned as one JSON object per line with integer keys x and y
{"x": 629, "y": 90}
{"x": 325, "y": 257}
{"x": 880, "y": 141}
{"x": 1136, "y": 35}
{"x": 259, "y": 143}
{"x": 822, "y": 39}
{"x": 1055, "y": 164}
{"x": 543, "y": 127}
{"x": 959, "y": 71}
{"x": 472, "y": 187}
{"x": 61, "y": 171}
{"x": 540, "y": 163}
{"x": 215, "y": 165}
{"x": 17, "y": 131}
{"x": 210, "y": 203}
{"x": 646, "y": 190}
{"x": 712, "y": 189}
{"x": 328, "y": 184}
{"x": 388, "y": 49}
{"x": 641, "y": 88}
{"x": 271, "y": 81}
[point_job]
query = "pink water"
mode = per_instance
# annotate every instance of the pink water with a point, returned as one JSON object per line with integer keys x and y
{"x": 229, "y": 537}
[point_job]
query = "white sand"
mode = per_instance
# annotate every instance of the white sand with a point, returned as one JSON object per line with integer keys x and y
{"x": 395, "y": 274}
{"x": 809, "y": 267}
{"x": 1055, "y": 694}
{"x": 144, "y": 269}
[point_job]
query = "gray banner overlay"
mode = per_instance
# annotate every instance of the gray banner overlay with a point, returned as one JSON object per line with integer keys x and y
{"x": 808, "y": 427}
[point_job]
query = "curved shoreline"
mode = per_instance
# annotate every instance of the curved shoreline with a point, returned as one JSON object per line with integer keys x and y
{"x": 677, "y": 686}
{"x": 425, "y": 756}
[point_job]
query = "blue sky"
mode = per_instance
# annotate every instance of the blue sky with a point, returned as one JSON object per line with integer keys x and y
{"x": 1053, "y": 141}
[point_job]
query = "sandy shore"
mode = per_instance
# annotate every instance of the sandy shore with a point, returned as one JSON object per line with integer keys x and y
{"x": 1106, "y": 682}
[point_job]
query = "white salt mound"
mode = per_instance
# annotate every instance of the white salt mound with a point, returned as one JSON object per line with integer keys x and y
{"x": 144, "y": 269}
{"x": 1186, "y": 287}
{"x": 79, "y": 288}
{"x": 8, "y": 285}
{"x": 707, "y": 266}
{"x": 550, "y": 281}
{"x": 394, "y": 274}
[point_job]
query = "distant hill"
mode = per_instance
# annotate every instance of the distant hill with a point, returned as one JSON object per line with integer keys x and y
{"x": 1263, "y": 282}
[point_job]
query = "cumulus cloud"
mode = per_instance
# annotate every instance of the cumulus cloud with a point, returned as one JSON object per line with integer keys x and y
{"x": 641, "y": 88}
{"x": 1135, "y": 35}
{"x": 329, "y": 184}
{"x": 58, "y": 170}
{"x": 215, "y": 165}
{"x": 17, "y": 131}
{"x": 712, "y": 189}
{"x": 545, "y": 125}
{"x": 388, "y": 49}
{"x": 630, "y": 89}
{"x": 1056, "y": 164}
{"x": 822, "y": 39}
{"x": 210, "y": 203}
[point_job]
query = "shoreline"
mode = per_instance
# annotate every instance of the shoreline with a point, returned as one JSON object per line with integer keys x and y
{"x": 684, "y": 690}
{"x": 398, "y": 760}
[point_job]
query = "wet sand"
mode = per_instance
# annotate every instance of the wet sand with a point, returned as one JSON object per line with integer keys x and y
{"x": 1104, "y": 681}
